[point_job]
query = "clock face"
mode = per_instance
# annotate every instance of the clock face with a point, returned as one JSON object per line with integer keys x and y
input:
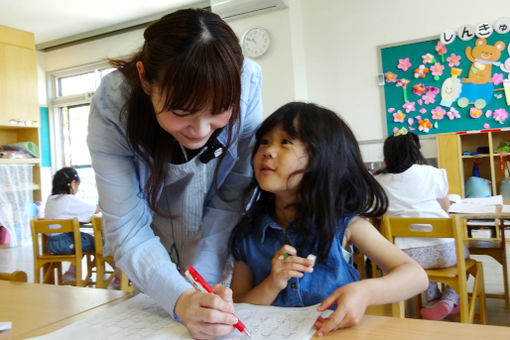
{"x": 255, "y": 42}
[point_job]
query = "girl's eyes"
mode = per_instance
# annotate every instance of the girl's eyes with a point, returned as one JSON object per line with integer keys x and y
{"x": 286, "y": 141}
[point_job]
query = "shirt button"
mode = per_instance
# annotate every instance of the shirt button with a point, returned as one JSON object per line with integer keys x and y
{"x": 293, "y": 286}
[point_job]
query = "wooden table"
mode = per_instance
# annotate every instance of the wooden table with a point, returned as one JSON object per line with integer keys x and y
{"x": 383, "y": 327}
{"x": 37, "y": 309}
{"x": 31, "y": 306}
{"x": 495, "y": 248}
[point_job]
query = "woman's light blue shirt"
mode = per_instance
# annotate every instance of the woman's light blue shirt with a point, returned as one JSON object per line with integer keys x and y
{"x": 121, "y": 176}
{"x": 259, "y": 246}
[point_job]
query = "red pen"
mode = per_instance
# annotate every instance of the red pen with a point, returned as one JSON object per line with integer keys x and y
{"x": 201, "y": 284}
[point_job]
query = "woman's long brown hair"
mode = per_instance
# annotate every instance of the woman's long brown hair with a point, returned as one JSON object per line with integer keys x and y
{"x": 194, "y": 58}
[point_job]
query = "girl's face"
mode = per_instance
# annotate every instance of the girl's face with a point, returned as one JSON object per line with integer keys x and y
{"x": 191, "y": 130}
{"x": 277, "y": 158}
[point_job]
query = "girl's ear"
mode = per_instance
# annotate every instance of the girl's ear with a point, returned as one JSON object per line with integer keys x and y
{"x": 141, "y": 74}
{"x": 74, "y": 186}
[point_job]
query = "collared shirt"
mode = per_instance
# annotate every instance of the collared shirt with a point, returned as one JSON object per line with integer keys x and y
{"x": 263, "y": 240}
{"x": 121, "y": 176}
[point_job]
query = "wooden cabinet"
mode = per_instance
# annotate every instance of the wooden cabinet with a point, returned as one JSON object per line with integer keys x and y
{"x": 18, "y": 97}
{"x": 18, "y": 77}
{"x": 459, "y": 166}
{"x": 451, "y": 149}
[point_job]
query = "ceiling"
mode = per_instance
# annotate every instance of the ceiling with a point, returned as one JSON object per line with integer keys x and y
{"x": 54, "y": 22}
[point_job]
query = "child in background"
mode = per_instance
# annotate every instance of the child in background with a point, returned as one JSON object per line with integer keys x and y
{"x": 63, "y": 204}
{"x": 313, "y": 188}
{"x": 416, "y": 189}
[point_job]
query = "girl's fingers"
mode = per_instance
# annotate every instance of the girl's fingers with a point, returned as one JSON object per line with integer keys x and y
{"x": 330, "y": 300}
{"x": 334, "y": 321}
{"x": 224, "y": 292}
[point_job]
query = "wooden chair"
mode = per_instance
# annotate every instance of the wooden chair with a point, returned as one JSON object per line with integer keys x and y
{"x": 101, "y": 261}
{"x": 51, "y": 262}
{"x": 18, "y": 276}
{"x": 454, "y": 276}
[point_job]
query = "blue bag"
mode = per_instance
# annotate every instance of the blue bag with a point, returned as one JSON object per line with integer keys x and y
{"x": 478, "y": 187}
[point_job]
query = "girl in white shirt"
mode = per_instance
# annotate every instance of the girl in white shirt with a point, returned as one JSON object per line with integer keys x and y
{"x": 416, "y": 189}
{"x": 63, "y": 204}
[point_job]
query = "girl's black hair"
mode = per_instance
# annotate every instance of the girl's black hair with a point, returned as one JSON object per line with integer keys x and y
{"x": 195, "y": 59}
{"x": 62, "y": 181}
{"x": 401, "y": 152}
{"x": 335, "y": 183}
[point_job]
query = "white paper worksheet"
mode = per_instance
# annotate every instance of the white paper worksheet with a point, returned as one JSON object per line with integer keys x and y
{"x": 141, "y": 318}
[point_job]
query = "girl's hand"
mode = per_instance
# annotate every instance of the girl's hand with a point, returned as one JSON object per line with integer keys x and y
{"x": 207, "y": 315}
{"x": 351, "y": 300}
{"x": 284, "y": 268}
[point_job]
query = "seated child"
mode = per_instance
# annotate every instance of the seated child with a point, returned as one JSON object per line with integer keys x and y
{"x": 404, "y": 168}
{"x": 313, "y": 190}
{"x": 63, "y": 204}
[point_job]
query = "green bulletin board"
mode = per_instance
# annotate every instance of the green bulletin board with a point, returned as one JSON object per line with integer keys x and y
{"x": 486, "y": 101}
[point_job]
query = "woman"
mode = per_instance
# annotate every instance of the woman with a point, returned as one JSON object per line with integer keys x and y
{"x": 170, "y": 136}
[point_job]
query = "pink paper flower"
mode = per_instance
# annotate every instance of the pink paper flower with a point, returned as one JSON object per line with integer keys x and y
{"x": 440, "y": 48}
{"x": 404, "y": 64}
{"x": 409, "y": 106}
{"x": 421, "y": 71}
{"x": 488, "y": 113}
{"x": 424, "y": 125}
{"x": 390, "y": 77}
{"x": 419, "y": 89}
{"x": 427, "y": 58}
{"x": 453, "y": 60}
{"x": 399, "y": 116}
{"x": 423, "y": 111}
{"x": 437, "y": 69}
{"x": 475, "y": 112}
{"x": 429, "y": 98}
{"x": 497, "y": 78}
{"x": 500, "y": 115}
{"x": 391, "y": 109}
{"x": 486, "y": 126}
{"x": 433, "y": 90}
{"x": 402, "y": 83}
{"x": 453, "y": 114}
{"x": 438, "y": 113}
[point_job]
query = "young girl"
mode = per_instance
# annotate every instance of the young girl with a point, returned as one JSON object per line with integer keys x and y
{"x": 313, "y": 188}
{"x": 63, "y": 204}
{"x": 405, "y": 168}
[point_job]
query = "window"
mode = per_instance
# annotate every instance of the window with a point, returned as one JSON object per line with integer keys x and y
{"x": 73, "y": 91}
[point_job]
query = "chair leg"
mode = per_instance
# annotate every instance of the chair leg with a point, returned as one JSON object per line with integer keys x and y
{"x": 481, "y": 299}
{"x": 505, "y": 280}
{"x": 124, "y": 284}
{"x": 398, "y": 309}
{"x": 417, "y": 305}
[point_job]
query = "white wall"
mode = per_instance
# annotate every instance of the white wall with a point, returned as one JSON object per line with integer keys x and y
{"x": 325, "y": 51}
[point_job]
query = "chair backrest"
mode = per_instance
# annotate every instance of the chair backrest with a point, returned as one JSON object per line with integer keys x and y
{"x": 98, "y": 234}
{"x": 42, "y": 227}
{"x": 450, "y": 227}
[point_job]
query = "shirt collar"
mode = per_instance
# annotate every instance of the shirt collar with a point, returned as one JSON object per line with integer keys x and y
{"x": 267, "y": 222}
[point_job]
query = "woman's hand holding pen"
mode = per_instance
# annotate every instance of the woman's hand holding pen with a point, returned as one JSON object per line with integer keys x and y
{"x": 351, "y": 301}
{"x": 286, "y": 265}
{"x": 207, "y": 315}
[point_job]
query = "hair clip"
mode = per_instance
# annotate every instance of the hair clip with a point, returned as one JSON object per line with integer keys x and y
{"x": 402, "y": 132}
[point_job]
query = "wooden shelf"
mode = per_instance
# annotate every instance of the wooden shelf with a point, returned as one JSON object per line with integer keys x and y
{"x": 20, "y": 160}
{"x": 482, "y": 155}
{"x": 12, "y": 189}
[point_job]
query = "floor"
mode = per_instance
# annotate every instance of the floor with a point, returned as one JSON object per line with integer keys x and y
{"x": 20, "y": 258}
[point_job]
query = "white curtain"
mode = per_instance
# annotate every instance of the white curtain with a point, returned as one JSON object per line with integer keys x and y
{"x": 16, "y": 200}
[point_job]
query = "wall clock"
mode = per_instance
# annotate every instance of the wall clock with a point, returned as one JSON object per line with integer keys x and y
{"x": 255, "y": 42}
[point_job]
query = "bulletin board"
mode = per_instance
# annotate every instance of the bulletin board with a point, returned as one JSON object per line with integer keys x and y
{"x": 431, "y": 87}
